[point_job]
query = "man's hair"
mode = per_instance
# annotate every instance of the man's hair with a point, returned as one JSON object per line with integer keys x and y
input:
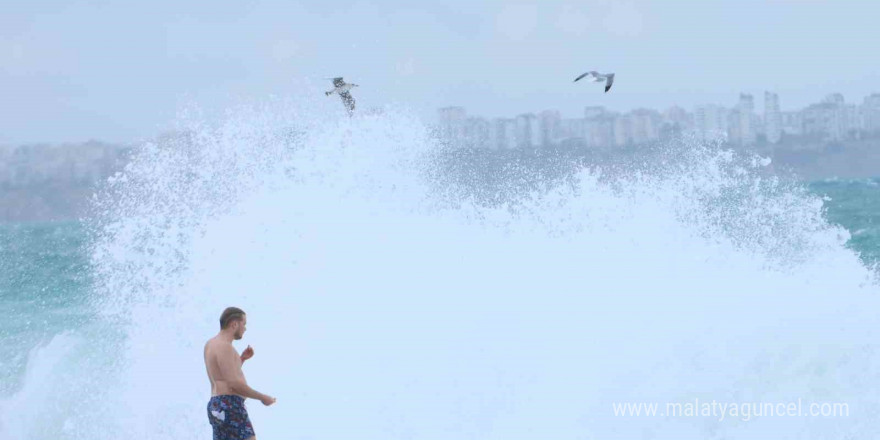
{"x": 229, "y": 315}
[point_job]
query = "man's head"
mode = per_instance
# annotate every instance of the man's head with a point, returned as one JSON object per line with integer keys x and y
{"x": 234, "y": 320}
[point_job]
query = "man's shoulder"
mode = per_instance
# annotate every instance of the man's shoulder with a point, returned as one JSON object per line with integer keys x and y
{"x": 216, "y": 344}
{"x": 212, "y": 344}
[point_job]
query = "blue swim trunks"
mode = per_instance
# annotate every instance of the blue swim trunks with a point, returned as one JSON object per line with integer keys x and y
{"x": 229, "y": 418}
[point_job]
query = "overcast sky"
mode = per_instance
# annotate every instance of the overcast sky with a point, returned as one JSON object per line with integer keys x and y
{"x": 73, "y": 70}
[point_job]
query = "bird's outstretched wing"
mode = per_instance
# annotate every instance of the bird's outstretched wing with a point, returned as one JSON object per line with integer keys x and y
{"x": 338, "y": 82}
{"x": 591, "y": 73}
{"x": 608, "y": 82}
{"x": 348, "y": 101}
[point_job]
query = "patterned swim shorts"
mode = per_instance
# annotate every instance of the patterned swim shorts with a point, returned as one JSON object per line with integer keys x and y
{"x": 229, "y": 418}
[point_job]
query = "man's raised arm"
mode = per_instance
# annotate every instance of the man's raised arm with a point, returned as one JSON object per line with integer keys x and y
{"x": 246, "y": 354}
{"x": 230, "y": 368}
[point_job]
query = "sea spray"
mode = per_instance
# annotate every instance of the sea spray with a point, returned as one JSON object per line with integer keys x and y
{"x": 387, "y": 299}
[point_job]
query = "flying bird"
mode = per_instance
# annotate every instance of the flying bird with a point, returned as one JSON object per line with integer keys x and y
{"x": 341, "y": 87}
{"x": 599, "y": 77}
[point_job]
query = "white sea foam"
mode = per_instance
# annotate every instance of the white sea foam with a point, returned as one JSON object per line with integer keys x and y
{"x": 382, "y": 306}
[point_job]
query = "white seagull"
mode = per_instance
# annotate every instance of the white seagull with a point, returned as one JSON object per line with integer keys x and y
{"x": 341, "y": 87}
{"x": 598, "y": 77}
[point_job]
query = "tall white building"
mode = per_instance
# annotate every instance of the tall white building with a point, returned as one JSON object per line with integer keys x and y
{"x": 637, "y": 127}
{"x": 871, "y": 113}
{"x": 550, "y": 122}
{"x": 793, "y": 123}
{"x": 477, "y": 132}
{"x": 742, "y": 129}
{"x": 623, "y": 130}
{"x": 772, "y": 118}
{"x": 827, "y": 120}
{"x": 528, "y": 131}
{"x": 844, "y": 118}
{"x": 600, "y": 130}
{"x": 645, "y": 125}
{"x": 535, "y": 131}
{"x": 680, "y": 117}
{"x": 574, "y": 129}
{"x": 711, "y": 121}
{"x": 854, "y": 120}
{"x": 504, "y": 130}
{"x": 599, "y": 126}
{"x": 452, "y": 124}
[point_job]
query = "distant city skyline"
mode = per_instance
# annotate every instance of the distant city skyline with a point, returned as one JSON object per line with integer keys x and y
{"x": 858, "y": 100}
{"x": 831, "y": 119}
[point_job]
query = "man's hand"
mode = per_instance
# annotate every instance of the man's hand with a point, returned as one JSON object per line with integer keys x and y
{"x": 247, "y": 354}
{"x": 267, "y": 400}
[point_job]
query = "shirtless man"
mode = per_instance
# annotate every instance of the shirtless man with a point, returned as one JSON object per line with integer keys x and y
{"x": 226, "y": 410}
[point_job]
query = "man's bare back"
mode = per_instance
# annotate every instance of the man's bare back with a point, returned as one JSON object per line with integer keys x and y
{"x": 229, "y": 389}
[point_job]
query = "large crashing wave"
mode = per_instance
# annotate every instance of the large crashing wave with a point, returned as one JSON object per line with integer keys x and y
{"x": 391, "y": 295}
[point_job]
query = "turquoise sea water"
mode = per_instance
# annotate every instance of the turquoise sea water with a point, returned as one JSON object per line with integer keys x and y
{"x": 44, "y": 289}
{"x": 855, "y": 205}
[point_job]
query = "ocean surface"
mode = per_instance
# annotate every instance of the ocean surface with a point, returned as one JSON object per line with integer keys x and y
{"x": 385, "y": 302}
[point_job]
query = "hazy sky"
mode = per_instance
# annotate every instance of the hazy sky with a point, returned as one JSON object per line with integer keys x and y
{"x": 72, "y": 70}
